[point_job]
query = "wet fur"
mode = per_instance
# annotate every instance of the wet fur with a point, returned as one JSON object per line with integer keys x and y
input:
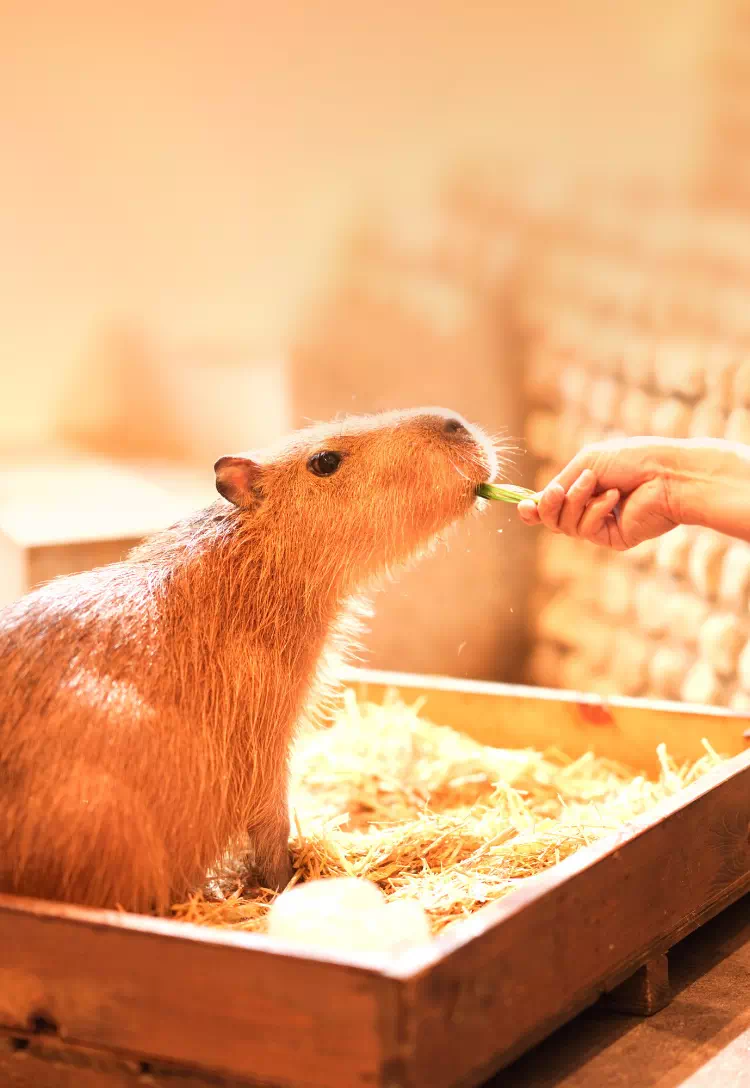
{"x": 147, "y": 708}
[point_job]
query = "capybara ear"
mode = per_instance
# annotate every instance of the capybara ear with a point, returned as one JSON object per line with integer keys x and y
{"x": 238, "y": 480}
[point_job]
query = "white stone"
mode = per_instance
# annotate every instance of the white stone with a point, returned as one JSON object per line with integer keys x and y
{"x": 347, "y": 914}
{"x": 329, "y": 913}
{"x": 404, "y": 924}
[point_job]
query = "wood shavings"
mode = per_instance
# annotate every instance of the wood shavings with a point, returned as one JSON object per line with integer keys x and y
{"x": 429, "y": 814}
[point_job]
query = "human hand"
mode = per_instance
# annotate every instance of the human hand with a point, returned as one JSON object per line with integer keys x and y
{"x": 617, "y": 493}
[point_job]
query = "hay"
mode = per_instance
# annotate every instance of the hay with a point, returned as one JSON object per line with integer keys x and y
{"x": 428, "y": 813}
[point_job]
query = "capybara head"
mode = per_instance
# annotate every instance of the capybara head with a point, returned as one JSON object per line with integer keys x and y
{"x": 366, "y": 492}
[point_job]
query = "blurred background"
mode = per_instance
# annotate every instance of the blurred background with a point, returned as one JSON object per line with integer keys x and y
{"x": 220, "y": 220}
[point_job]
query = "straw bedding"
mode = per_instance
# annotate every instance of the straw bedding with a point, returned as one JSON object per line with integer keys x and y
{"x": 426, "y": 812}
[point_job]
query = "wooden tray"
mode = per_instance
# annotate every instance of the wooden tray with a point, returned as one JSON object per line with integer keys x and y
{"x": 99, "y": 998}
{"x": 50, "y": 526}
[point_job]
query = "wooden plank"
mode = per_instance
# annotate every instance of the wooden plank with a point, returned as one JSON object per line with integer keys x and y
{"x": 231, "y": 1003}
{"x": 643, "y": 994}
{"x": 30, "y": 1061}
{"x": 14, "y": 578}
{"x": 521, "y": 967}
{"x": 64, "y": 512}
{"x": 52, "y": 561}
{"x": 73, "y": 498}
{"x": 513, "y": 716}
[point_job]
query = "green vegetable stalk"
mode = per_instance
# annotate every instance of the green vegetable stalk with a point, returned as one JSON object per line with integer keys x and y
{"x": 506, "y": 493}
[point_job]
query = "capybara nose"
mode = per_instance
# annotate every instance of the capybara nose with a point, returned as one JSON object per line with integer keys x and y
{"x": 454, "y": 426}
{"x": 446, "y": 423}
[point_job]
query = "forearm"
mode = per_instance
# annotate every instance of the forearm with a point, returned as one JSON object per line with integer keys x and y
{"x": 711, "y": 484}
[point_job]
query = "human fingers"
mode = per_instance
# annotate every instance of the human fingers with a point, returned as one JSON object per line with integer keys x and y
{"x": 578, "y": 496}
{"x": 597, "y": 523}
{"x": 550, "y": 506}
{"x": 528, "y": 512}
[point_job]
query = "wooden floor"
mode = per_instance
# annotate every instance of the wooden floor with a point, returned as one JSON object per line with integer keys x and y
{"x": 701, "y": 1040}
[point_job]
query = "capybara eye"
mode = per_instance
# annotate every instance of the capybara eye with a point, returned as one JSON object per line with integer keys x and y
{"x": 324, "y": 463}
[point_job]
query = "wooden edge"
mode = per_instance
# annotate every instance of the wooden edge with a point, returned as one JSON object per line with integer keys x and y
{"x": 167, "y": 992}
{"x": 107, "y": 920}
{"x": 628, "y": 731}
{"x": 419, "y": 684}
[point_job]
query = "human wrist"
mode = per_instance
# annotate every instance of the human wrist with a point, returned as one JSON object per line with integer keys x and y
{"x": 709, "y": 486}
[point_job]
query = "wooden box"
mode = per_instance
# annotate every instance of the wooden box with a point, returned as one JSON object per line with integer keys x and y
{"x": 99, "y": 998}
{"x": 65, "y": 512}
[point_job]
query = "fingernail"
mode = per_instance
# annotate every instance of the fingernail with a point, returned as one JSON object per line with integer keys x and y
{"x": 556, "y": 491}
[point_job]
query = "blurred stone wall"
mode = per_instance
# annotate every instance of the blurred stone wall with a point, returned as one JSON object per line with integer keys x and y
{"x": 635, "y": 331}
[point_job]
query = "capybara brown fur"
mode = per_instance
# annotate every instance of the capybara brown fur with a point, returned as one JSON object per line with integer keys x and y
{"x": 147, "y": 708}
